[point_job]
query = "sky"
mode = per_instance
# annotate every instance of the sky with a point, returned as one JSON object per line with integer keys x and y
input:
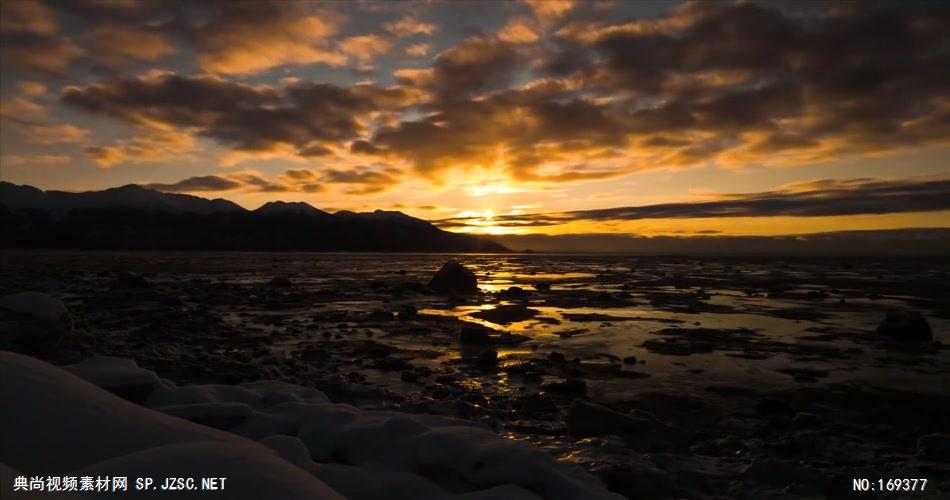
{"x": 508, "y": 118}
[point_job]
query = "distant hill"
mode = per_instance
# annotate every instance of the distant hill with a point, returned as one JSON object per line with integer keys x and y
{"x": 134, "y": 217}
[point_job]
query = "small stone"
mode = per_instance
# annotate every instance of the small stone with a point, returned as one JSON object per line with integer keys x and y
{"x": 934, "y": 447}
{"x": 280, "y": 282}
{"x": 487, "y": 359}
{"x": 473, "y": 336}
{"x": 571, "y": 387}
{"x": 906, "y": 326}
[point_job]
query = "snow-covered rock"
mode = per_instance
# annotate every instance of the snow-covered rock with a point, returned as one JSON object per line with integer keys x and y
{"x": 37, "y": 305}
{"x": 249, "y": 473}
{"x": 306, "y": 442}
{"x": 123, "y": 377}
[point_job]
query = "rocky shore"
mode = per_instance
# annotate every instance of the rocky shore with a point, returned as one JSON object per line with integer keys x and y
{"x": 497, "y": 377}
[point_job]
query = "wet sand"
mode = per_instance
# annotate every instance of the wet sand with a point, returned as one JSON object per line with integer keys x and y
{"x": 733, "y": 378}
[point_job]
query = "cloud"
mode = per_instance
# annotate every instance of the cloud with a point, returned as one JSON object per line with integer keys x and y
{"x": 301, "y": 118}
{"x": 518, "y": 30}
{"x": 250, "y": 37}
{"x": 477, "y": 64}
{"x": 417, "y": 50}
{"x": 33, "y": 160}
{"x": 199, "y": 183}
{"x": 55, "y": 134}
{"x": 362, "y": 180}
{"x": 774, "y": 93}
{"x": 409, "y": 26}
{"x": 827, "y": 197}
{"x": 357, "y": 181}
{"x": 30, "y": 38}
{"x": 147, "y": 146}
{"x": 365, "y": 48}
{"x": 550, "y": 11}
{"x": 118, "y": 45}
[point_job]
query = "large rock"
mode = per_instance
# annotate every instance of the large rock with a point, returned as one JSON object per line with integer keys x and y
{"x": 129, "y": 282}
{"x": 907, "y": 326}
{"x": 454, "y": 277}
{"x": 38, "y": 321}
{"x": 934, "y": 447}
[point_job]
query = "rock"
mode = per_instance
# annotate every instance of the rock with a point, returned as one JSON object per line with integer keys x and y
{"x": 803, "y": 420}
{"x": 513, "y": 292}
{"x": 630, "y": 360}
{"x": 570, "y": 387}
{"x": 128, "y": 282}
{"x": 37, "y": 305}
{"x": 934, "y": 447}
{"x": 46, "y": 321}
{"x": 487, "y": 359}
{"x": 503, "y": 315}
{"x": 408, "y": 311}
{"x": 454, "y": 277}
{"x": 280, "y": 282}
{"x": 473, "y": 336}
{"x": 586, "y": 419}
{"x": 906, "y": 326}
{"x": 537, "y": 404}
{"x": 409, "y": 376}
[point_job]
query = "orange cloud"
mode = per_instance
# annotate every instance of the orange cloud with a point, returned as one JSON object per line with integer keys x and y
{"x": 120, "y": 44}
{"x": 55, "y": 134}
{"x": 148, "y": 146}
{"x": 408, "y": 26}
{"x": 33, "y": 160}
{"x": 417, "y": 50}
{"x": 518, "y": 30}
{"x": 254, "y": 37}
{"x": 365, "y": 48}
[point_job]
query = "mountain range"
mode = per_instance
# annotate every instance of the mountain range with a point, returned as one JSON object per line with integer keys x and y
{"x": 135, "y": 217}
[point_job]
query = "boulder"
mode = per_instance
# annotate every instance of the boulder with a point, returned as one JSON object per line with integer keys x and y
{"x": 570, "y": 387}
{"x": 38, "y": 306}
{"x": 454, "y": 277}
{"x": 586, "y": 419}
{"x": 128, "y": 282}
{"x": 280, "y": 282}
{"x": 473, "y": 336}
{"x": 39, "y": 321}
{"x": 905, "y": 326}
{"x": 513, "y": 292}
{"x": 934, "y": 447}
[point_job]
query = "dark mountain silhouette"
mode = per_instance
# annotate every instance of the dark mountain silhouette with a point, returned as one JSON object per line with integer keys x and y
{"x": 293, "y": 207}
{"x": 133, "y": 217}
{"x": 130, "y": 196}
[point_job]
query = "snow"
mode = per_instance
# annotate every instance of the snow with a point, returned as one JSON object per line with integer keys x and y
{"x": 112, "y": 373}
{"x": 38, "y": 305}
{"x": 307, "y": 445}
{"x": 250, "y": 474}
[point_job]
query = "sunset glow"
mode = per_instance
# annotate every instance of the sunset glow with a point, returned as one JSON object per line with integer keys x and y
{"x": 441, "y": 109}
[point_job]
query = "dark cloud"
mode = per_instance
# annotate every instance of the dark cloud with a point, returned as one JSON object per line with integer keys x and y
{"x": 907, "y": 242}
{"x": 813, "y": 199}
{"x": 245, "y": 117}
{"x": 199, "y": 183}
{"x": 477, "y": 64}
